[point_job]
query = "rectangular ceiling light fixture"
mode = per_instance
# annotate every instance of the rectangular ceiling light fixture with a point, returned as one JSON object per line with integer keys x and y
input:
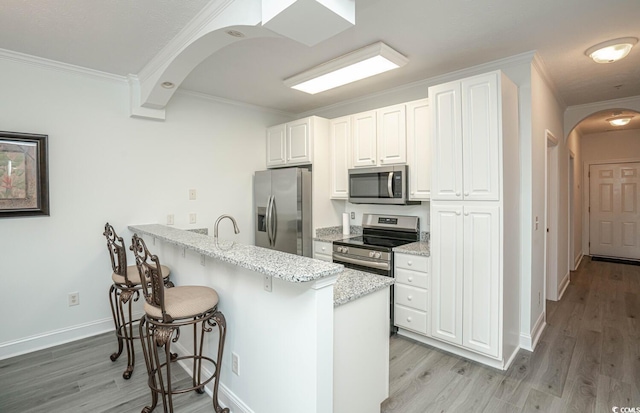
{"x": 362, "y": 63}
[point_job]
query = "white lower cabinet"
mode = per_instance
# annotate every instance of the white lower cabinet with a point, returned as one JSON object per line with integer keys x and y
{"x": 411, "y": 293}
{"x": 466, "y": 276}
{"x": 323, "y": 250}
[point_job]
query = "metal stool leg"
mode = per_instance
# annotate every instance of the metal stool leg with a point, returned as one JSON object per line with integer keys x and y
{"x": 113, "y": 300}
{"x": 219, "y": 319}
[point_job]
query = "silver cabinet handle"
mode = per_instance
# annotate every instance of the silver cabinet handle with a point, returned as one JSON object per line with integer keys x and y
{"x": 390, "y": 184}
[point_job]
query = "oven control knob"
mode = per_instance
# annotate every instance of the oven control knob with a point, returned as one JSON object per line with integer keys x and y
{"x": 377, "y": 255}
{"x": 371, "y": 254}
{"x": 339, "y": 249}
{"x": 345, "y": 249}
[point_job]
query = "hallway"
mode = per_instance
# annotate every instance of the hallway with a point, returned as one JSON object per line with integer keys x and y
{"x": 587, "y": 360}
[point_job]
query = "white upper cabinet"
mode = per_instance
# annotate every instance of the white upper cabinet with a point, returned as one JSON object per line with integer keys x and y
{"x": 364, "y": 139}
{"x": 481, "y": 138}
{"x": 299, "y": 142}
{"x": 379, "y": 137}
{"x": 392, "y": 135}
{"x": 291, "y": 143}
{"x": 340, "y": 156}
{"x": 276, "y": 146}
{"x": 419, "y": 150}
{"x": 466, "y": 139}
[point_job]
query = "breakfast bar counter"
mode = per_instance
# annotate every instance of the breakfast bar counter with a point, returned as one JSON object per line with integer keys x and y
{"x": 309, "y": 335}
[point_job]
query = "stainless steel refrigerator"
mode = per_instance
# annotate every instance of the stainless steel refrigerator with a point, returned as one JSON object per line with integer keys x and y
{"x": 282, "y": 199}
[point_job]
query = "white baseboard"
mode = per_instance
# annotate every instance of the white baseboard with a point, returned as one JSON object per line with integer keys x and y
{"x": 225, "y": 396}
{"x": 53, "y": 338}
{"x": 578, "y": 260}
{"x": 563, "y": 285}
{"x": 529, "y": 342}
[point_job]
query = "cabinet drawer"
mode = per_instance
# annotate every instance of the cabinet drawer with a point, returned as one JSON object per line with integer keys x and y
{"x": 412, "y": 262}
{"x": 413, "y": 278}
{"x": 323, "y": 257}
{"x": 323, "y": 247}
{"x": 411, "y": 297}
{"x": 410, "y": 319}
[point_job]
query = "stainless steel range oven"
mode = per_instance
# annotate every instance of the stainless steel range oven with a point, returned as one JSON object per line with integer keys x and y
{"x": 373, "y": 251}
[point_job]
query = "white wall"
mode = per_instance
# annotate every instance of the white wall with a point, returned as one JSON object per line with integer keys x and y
{"x": 105, "y": 166}
{"x": 574, "y": 145}
{"x": 547, "y": 114}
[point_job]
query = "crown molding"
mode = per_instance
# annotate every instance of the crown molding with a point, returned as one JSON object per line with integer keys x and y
{"x": 59, "y": 66}
{"x": 168, "y": 53}
{"x": 541, "y": 68}
{"x": 217, "y": 99}
{"x": 631, "y": 100}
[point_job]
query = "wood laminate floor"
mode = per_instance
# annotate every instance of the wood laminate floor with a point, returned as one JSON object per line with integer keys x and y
{"x": 587, "y": 360}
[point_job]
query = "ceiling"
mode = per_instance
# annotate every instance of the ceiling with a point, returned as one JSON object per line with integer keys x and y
{"x": 122, "y": 36}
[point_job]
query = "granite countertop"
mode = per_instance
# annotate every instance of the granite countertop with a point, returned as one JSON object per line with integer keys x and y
{"x": 330, "y": 234}
{"x": 288, "y": 267}
{"x": 353, "y": 284}
{"x": 415, "y": 248}
{"x": 333, "y": 237}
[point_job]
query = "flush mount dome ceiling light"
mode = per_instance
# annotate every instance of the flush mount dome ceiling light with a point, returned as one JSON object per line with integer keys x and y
{"x": 620, "y": 120}
{"x": 359, "y": 64}
{"x": 612, "y": 50}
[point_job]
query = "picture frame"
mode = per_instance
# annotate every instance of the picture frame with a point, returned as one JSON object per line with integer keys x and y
{"x": 24, "y": 175}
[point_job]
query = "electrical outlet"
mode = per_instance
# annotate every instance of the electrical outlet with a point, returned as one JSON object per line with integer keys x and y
{"x": 192, "y": 194}
{"x": 268, "y": 283}
{"x": 353, "y": 215}
{"x": 192, "y": 218}
{"x": 235, "y": 363}
{"x": 74, "y": 299}
{"x": 170, "y": 219}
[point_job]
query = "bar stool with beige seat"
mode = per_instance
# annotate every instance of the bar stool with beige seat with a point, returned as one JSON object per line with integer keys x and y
{"x": 123, "y": 292}
{"x": 166, "y": 311}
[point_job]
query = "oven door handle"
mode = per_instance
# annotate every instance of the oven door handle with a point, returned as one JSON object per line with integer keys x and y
{"x": 390, "y": 184}
{"x": 362, "y": 263}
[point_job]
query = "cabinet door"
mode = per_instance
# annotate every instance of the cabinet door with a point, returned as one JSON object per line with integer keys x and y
{"x": 392, "y": 135}
{"x": 482, "y": 298}
{"x": 276, "y": 146}
{"x": 446, "y": 141}
{"x": 419, "y": 150}
{"x": 447, "y": 272}
{"x": 480, "y": 137}
{"x": 340, "y": 153}
{"x": 363, "y": 139}
{"x": 299, "y": 142}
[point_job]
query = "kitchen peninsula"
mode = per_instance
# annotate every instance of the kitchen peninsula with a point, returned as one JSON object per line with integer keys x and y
{"x": 309, "y": 335}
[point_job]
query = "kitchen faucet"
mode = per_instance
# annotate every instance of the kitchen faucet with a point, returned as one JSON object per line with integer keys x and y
{"x": 220, "y": 218}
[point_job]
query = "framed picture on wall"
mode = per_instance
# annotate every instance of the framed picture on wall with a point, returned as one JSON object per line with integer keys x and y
{"x": 24, "y": 180}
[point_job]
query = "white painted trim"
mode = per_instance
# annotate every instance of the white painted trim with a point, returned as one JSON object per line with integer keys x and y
{"x": 424, "y": 84}
{"x": 563, "y": 285}
{"x": 598, "y": 105}
{"x": 571, "y": 160}
{"x": 217, "y": 99}
{"x": 225, "y": 396}
{"x": 529, "y": 342}
{"x": 462, "y": 352}
{"x": 54, "y": 338}
{"x": 538, "y": 64}
{"x": 168, "y": 53}
{"x": 59, "y": 66}
{"x": 578, "y": 260}
{"x": 586, "y": 192}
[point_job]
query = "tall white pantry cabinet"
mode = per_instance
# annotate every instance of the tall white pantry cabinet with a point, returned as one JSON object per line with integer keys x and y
{"x": 474, "y": 211}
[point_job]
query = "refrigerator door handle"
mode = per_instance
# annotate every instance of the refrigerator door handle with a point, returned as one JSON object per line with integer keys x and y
{"x": 390, "y": 184}
{"x": 268, "y": 220}
{"x": 274, "y": 217}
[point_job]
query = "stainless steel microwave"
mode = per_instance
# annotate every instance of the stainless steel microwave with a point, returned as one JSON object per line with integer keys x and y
{"x": 381, "y": 185}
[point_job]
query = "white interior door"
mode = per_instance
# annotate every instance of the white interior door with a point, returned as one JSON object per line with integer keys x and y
{"x": 614, "y": 215}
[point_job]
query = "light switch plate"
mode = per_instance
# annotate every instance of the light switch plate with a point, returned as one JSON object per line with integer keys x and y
{"x": 192, "y": 194}
{"x": 192, "y": 218}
